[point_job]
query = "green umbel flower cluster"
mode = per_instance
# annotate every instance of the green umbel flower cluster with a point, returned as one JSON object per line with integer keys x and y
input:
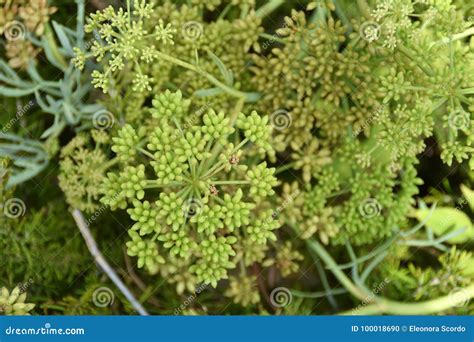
{"x": 82, "y": 170}
{"x": 156, "y": 43}
{"x": 13, "y": 303}
{"x": 354, "y": 96}
{"x": 189, "y": 194}
{"x": 367, "y": 128}
{"x": 243, "y": 290}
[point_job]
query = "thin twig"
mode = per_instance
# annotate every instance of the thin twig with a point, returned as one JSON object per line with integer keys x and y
{"x": 103, "y": 264}
{"x": 137, "y": 280}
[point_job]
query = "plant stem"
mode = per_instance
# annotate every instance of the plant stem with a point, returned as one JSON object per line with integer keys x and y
{"x": 462, "y": 35}
{"x": 381, "y": 305}
{"x": 410, "y": 55}
{"x": 467, "y": 91}
{"x": 54, "y": 47}
{"x": 272, "y": 37}
{"x": 268, "y": 8}
{"x": 284, "y": 167}
{"x": 319, "y": 294}
{"x": 104, "y": 265}
{"x": 364, "y": 8}
{"x": 231, "y": 182}
{"x": 343, "y": 279}
{"x": 422, "y": 308}
{"x": 210, "y": 78}
{"x": 110, "y": 163}
{"x": 146, "y": 153}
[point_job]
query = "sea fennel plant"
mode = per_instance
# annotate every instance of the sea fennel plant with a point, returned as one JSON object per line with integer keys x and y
{"x": 186, "y": 184}
{"x": 355, "y": 94}
{"x": 189, "y": 190}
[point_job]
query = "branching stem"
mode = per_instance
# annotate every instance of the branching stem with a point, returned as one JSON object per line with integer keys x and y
{"x": 103, "y": 264}
{"x": 380, "y": 305}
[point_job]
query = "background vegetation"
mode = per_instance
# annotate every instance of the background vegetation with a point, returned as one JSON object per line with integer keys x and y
{"x": 237, "y": 157}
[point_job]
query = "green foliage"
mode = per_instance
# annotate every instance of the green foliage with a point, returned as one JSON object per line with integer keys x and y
{"x": 13, "y": 303}
{"x": 245, "y": 145}
{"x": 186, "y": 190}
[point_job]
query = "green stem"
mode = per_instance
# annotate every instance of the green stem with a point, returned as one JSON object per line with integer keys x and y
{"x": 231, "y": 182}
{"x": 410, "y": 55}
{"x": 284, "y": 167}
{"x": 145, "y": 152}
{"x": 319, "y": 294}
{"x": 54, "y": 47}
{"x": 364, "y": 8}
{"x": 229, "y": 90}
{"x": 110, "y": 163}
{"x": 151, "y": 184}
{"x": 214, "y": 171}
{"x": 340, "y": 13}
{"x": 272, "y": 37}
{"x": 268, "y": 8}
{"x": 343, "y": 279}
{"x": 80, "y": 23}
{"x": 462, "y": 35}
{"x": 467, "y": 91}
{"x": 422, "y": 308}
{"x": 382, "y": 305}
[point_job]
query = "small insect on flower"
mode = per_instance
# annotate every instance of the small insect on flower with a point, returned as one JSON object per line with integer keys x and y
{"x": 234, "y": 160}
{"x": 213, "y": 190}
